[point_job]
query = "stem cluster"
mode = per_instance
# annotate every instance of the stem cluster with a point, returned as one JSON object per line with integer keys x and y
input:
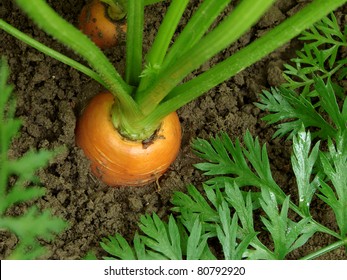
{"x": 151, "y": 91}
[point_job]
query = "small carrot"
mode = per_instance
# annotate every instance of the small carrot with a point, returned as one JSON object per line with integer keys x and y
{"x": 102, "y": 23}
{"x": 118, "y": 161}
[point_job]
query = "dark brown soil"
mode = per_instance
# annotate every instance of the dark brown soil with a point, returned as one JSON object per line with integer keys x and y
{"x": 50, "y": 96}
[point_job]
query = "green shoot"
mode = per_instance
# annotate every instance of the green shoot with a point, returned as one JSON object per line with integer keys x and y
{"x": 33, "y": 224}
{"x": 227, "y": 32}
{"x": 135, "y": 19}
{"x": 196, "y": 28}
{"x": 167, "y": 29}
{"x": 50, "y": 52}
{"x": 117, "y": 9}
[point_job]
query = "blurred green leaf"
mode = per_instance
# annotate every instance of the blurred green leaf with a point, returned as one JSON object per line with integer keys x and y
{"x": 32, "y": 224}
{"x": 118, "y": 246}
{"x": 334, "y": 166}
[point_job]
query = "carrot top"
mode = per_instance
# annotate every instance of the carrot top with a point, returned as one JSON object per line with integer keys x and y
{"x": 152, "y": 90}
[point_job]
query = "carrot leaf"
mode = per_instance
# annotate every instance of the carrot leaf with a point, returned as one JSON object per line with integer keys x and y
{"x": 223, "y": 211}
{"x": 312, "y": 95}
{"x": 334, "y": 167}
{"x": 293, "y": 111}
{"x": 226, "y": 158}
{"x": 284, "y": 231}
{"x": 159, "y": 240}
{"x": 118, "y": 247}
{"x": 163, "y": 239}
{"x": 303, "y": 160}
{"x": 318, "y": 56}
{"x": 227, "y": 233}
{"x": 32, "y": 224}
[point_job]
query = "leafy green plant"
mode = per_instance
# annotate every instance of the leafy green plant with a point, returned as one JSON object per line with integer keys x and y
{"x": 312, "y": 95}
{"x": 151, "y": 91}
{"x": 18, "y": 184}
{"x": 226, "y": 212}
{"x": 319, "y": 56}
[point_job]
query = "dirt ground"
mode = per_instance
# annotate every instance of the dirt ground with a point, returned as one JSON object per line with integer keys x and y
{"x": 50, "y": 96}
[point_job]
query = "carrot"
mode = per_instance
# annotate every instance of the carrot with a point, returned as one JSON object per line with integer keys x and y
{"x": 102, "y": 26}
{"x": 157, "y": 83}
{"x": 118, "y": 161}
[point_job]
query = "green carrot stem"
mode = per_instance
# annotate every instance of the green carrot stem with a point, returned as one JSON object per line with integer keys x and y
{"x": 238, "y": 22}
{"x": 53, "y": 24}
{"x": 50, "y": 52}
{"x": 272, "y": 40}
{"x": 43, "y": 15}
{"x": 166, "y": 31}
{"x": 196, "y": 27}
{"x": 117, "y": 9}
{"x": 156, "y": 54}
{"x": 135, "y": 21}
{"x": 325, "y": 250}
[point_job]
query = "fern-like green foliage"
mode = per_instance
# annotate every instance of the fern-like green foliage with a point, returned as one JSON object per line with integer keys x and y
{"x": 292, "y": 111}
{"x": 312, "y": 96}
{"x": 319, "y": 56}
{"x": 334, "y": 165}
{"x": 33, "y": 224}
{"x": 160, "y": 241}
{"x": 226, "y": 213}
